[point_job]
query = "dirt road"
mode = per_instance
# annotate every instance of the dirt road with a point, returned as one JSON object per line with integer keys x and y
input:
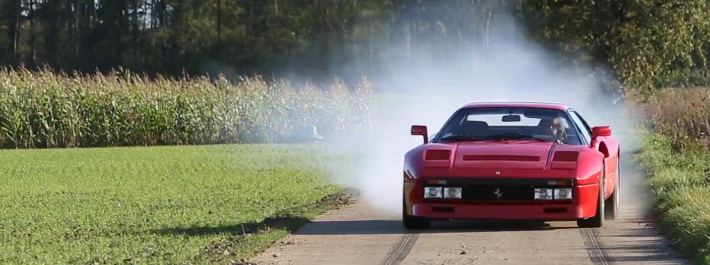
{"x": 352, "y": 235}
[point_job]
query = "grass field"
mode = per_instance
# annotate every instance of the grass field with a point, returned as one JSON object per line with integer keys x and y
{"x": 162, "y": 205}
{"x": 680, "y": 182}
{"x": 677, "y": 156}
{"x": 157, "y": 205}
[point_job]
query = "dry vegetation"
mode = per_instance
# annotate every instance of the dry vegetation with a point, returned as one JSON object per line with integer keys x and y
{"x": 681, "y": 114}
{"x": 44, "y": 110}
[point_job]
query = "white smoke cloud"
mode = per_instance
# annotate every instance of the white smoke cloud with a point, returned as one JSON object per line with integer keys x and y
{"x": 426, "y": 89}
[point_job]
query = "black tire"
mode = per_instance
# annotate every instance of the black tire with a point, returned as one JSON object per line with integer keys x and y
{"x": 598, "y": 219}
{"x": 412, "y": 222}
{"x": 612, "y": 204}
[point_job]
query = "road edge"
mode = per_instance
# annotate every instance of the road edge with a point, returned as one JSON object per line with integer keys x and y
{"x": 291, "y": 220}
{"x": 656, "y": 217}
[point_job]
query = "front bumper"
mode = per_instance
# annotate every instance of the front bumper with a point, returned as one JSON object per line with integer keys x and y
{"x": 515, "y": 204}
{"x": 510, "y": 212}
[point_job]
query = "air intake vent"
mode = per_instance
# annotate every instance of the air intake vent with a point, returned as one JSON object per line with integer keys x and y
{"x": 500, "y": 158}
{"x": 437, "y": 155}
{"x": 566, "y": 156}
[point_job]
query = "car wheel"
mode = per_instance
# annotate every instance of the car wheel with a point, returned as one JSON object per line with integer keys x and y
{"x": 412, "y": 222}
{"x": 612, "y": 210}
{"x": 598, "y": 219}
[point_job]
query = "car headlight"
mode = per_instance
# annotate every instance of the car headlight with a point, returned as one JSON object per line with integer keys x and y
{"x": 452, "y": 193}
{"x": 432, "y": 192}
{"x": 543, "y": 194}
{"x": 553, "y": 194}
{"x": 563, "y": 194}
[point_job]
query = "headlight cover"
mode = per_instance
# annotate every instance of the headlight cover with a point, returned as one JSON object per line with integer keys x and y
{"x": 452, "y": 193}
{"x": 563, "y": 194}
{"x": 553, "y": 194}
{"x": 432, "y": 192}
{"x": 543, "y": 194}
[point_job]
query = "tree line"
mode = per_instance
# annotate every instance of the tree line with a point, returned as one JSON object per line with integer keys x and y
{"x": 646, "y": 43}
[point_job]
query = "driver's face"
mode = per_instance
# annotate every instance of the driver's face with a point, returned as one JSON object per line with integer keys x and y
{"x": 557, "y": 127}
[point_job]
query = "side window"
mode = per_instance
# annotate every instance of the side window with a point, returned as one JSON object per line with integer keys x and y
{"x": 582, "y": 125}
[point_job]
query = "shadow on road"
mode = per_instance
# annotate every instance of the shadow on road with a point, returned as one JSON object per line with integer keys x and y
{"x": 636, "y": 254}
{"x": 637, "y": 245}
{"x": 380, "y": 227}
{"x": 356, "y": 227}
{"x": 286, "y": 222}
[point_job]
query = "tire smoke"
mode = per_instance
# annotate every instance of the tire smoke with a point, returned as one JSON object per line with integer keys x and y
{"x": 427, "y": 88}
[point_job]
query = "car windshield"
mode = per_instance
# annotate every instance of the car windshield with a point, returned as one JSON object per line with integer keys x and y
{"x": 503, "y": 123}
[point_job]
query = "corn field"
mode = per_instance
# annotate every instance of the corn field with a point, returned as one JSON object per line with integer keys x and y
{"x": 47, "y": 110}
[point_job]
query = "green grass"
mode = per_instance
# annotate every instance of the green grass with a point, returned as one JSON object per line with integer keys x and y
{"x": 157, "y": 205}
{"x": 680, "y": 182}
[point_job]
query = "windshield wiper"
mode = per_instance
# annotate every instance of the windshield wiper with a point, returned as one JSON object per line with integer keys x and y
{"x": 515, "y": 136}
{"x": 460, "y": 138}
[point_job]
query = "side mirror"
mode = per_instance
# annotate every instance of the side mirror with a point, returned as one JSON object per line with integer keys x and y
{"x": 421, "y": 130}
{"x": 600, "y": 131}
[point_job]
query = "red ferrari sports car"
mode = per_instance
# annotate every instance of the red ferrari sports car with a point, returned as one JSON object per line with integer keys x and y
{"x": 526, "y": 161}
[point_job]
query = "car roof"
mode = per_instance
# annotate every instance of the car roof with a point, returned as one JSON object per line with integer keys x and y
{"x": 541, "y": 105}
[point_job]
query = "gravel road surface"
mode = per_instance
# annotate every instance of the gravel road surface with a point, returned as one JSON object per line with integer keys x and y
{"x": 354, "y": 235}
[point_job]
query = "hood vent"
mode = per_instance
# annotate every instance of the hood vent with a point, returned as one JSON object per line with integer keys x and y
{"x": 501, "y": 158}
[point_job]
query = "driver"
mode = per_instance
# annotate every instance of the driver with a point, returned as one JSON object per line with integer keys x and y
{"x": 559, "y": 129}
{"x": 555, "y": 127}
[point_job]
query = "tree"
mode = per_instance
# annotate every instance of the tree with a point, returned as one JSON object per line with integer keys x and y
{"x": 640, "y": 39}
